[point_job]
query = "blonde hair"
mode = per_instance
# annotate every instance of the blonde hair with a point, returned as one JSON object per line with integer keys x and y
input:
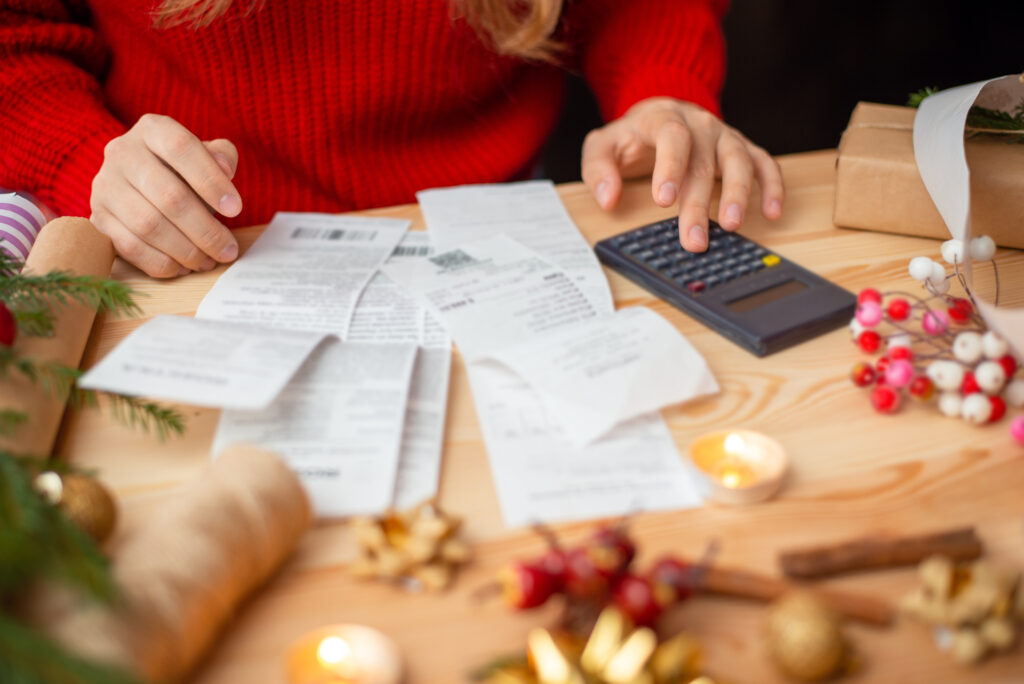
{"x": 519, "y": 28}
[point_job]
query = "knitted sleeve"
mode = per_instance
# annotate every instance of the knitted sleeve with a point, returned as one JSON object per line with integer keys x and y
{"x": 53, "y": 123}
{"x": 629, "y": 50}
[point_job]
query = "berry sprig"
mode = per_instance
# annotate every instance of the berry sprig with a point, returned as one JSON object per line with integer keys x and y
{"x": 937, "y": 345}
{"x": 599, "y": 573}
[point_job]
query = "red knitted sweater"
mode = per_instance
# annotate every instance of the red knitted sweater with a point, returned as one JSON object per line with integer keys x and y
{"x": 334, "y": 104}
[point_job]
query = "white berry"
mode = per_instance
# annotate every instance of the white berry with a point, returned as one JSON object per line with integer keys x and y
{"x": 976, "y": 408}
{"x": 990, "y": 377}
{"x": 1014, "y": 393}
{"x": 994, "y": 346}
{"x": 900, "y": 340}
{"x": 949, "y": 404}
{"x": 967, "y": 347}
{"x": 982, "y": 248}
{"x": 920, "y": 268}
{"x": 947, "y": 375}
{"x": 953, "y": 251}
{"x": 856, "y": 327}
{"x": 50, "y": 486}
{"x": 939, "y": 287}
{"x": 938, "y": 274}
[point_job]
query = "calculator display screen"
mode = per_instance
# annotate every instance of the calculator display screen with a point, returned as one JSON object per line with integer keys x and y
{"x": 766, "y": 296}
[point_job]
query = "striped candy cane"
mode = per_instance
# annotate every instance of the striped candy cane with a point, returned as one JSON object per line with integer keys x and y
{"x": 20, "y": 222}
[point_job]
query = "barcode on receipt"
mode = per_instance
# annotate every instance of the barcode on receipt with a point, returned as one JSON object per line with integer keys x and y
{"x": 333, "y": 234}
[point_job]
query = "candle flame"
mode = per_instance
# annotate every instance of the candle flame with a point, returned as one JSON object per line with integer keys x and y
{"x": 333, "y": 650}
{"x": 735, "y": 444}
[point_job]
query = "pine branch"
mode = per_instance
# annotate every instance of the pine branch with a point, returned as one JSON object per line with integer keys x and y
{"x": 53, "y": 377}
{"x": 28, "y": 292}
{"x": 9, "y": 265}
{"x": 147, "y": 415}
{"x": 11, "y": 420}
{"x": 34, "y": 322}
{"x": 28, "y": 657}
{"x": 915, "y": 99}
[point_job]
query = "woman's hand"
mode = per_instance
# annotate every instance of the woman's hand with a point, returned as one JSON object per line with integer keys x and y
{"x": 684, "y": 147}
{"x": 154, "y": 193}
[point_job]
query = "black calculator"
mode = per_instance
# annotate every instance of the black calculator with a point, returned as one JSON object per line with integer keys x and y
{"x": 744, "y": 291}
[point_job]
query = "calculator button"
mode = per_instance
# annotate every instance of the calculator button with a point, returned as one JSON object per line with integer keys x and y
{"x": 756, "y": 265}
{"x": 664, "y": 249}
{"x": 645, "y": 255}
{"x": 758, "y": 251}
{"x": 731, "y": 262}
{"x": 632, "y": 248}
{"x": 659, "y": 263}
{"x": 715, "y": 268}
{"x": 678, "y": 255}
{"x": 728, "y": 274}
{"x": 743, "y": 269}
{"x": 712, "y": 281}
{"x": 696, "y": 286}
{"x": 771, "y": 260}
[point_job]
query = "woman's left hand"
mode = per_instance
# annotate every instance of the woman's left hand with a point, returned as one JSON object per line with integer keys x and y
{"x": 685, "y": 148}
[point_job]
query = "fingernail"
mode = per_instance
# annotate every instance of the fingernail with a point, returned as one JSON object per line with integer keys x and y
{"x": 667, "y": 193}
{"x": 184, "y": 270}
{"x": 698, "y": 239}
{"x": 230, "y": 205}
{"x": 603, "y": 193}
{"x": 228, "y": 253}
{"x": 734, "y": 214}
{"x": 775, "y": 208}
{"x": 207, "y": 265}
{"x": 223, "y": 162}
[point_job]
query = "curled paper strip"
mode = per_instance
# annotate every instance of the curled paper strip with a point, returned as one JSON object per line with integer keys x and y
{"x": 942, "y": 163}
{"x": 65, "y": 244}
{"x": 183, "y": 575}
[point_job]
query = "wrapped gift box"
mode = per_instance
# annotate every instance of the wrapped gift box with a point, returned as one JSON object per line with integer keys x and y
{"x": 878, "y": 186}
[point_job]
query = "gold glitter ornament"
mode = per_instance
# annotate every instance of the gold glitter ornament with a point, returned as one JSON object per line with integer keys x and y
{"x": 805, "y": 638}
{"x": 89, "y": 505}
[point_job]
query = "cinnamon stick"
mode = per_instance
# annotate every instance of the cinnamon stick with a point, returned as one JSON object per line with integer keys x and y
{"x": 879, "y": 552}
{"x": 743, "y": 584}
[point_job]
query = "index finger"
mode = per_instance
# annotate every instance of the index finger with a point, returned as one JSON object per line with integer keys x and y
{"x": 176, "y": 146}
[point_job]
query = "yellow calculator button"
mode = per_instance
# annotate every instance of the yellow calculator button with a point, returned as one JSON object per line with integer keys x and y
{"x": 770, "y": 260}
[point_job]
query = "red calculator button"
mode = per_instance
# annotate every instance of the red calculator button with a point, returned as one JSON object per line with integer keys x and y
{"x": 696, "y": 286}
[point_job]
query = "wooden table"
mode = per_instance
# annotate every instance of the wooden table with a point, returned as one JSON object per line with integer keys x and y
{"x": 855, "y": 472}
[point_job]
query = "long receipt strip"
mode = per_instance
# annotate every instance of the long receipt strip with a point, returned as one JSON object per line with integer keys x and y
{"x": 204, "y": 363}
{"x": 540, "y": 475}
{"x": 363, "y": 441}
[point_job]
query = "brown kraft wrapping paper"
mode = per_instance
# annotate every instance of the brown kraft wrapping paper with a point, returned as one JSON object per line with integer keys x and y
{"x": 64, "y": 244}
{"x": 878, "y": 186}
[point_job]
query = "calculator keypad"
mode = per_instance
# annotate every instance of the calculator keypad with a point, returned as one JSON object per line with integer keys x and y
{"x": 729, "y": 256}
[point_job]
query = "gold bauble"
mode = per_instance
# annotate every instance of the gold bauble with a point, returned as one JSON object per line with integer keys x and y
{"x": 88, "y": 505}
{"x": 805, "y": 638}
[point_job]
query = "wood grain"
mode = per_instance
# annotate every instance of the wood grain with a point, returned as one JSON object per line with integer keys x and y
{"x": 854, "y": 473}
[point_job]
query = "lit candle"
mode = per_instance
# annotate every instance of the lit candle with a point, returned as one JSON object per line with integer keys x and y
{"x": 739, "y": 466}
{"x": 344, "y": 654}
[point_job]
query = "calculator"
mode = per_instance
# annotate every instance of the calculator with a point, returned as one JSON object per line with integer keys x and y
{"x": 738, "y": 288}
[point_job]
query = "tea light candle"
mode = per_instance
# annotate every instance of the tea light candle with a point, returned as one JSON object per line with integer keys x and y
{"x": 739, "y": 466}
{"x": 344, "y": 654}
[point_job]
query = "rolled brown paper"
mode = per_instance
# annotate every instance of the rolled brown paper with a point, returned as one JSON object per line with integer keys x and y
{"x": 64, "y": 244}
{"x": 879, "y": 552}
{"x": 185, "y": 573}
{"x": 743, "y": 584}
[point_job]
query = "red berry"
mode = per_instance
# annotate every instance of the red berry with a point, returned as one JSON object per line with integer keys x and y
{"x": 862, "y": 374}
{"x": 582, "y": 577}
{"x": 901, "y": 354}
{"x": 882, "y": 365}
{"x": 998, "y": 409}
{"x": 553, "y": 563}
{"x": 869, "y": 341}
{"x": 611, "y": 550}
{"x": 885, "y": 399}
{"x": 634, "y": 596}
{"x": 672, "y": 580}
{"x": 969, "y": 385}
{"x": 869, "y": 294}
{"x": 8, "y": 326}
{"x": 921, "y": 388}
{"x": 525, "y": 585}
{"x": 1009, "y": 365}
{"x": 959, "y": 310}
{"x": 899, "y": 309}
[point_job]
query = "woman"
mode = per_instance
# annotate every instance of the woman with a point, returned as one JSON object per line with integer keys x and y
{"x": 167, "y": 122}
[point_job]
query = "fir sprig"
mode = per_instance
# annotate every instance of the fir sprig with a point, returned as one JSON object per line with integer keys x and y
{"x": 35, "y": 292}
{"x": 147, "y": 415}
{"x": 982, "y": 120}
{"x": 11, "y": 420}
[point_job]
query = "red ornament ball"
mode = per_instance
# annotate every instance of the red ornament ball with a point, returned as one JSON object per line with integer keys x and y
{"x": 8, "y": 326}
{"x": 901, "y": 354}
{"x": 899, "y": 309}
{"x": 998, "y": 409}
{"x": 869, "y": 294}
{"x": 960, "y": 310}
{"x": 969, "y": 385}
{"x": 882, "y": 364}
{"x": 885, "y": 399}
{"x": 1009, "y": 365}
{"x": 921, "y": 388}
{"x": 862, "y": 374}
{"x": 869, "y": 341}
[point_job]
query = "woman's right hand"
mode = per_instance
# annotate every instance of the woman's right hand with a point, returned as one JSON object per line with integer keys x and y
{"x": 156, "y": 193}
